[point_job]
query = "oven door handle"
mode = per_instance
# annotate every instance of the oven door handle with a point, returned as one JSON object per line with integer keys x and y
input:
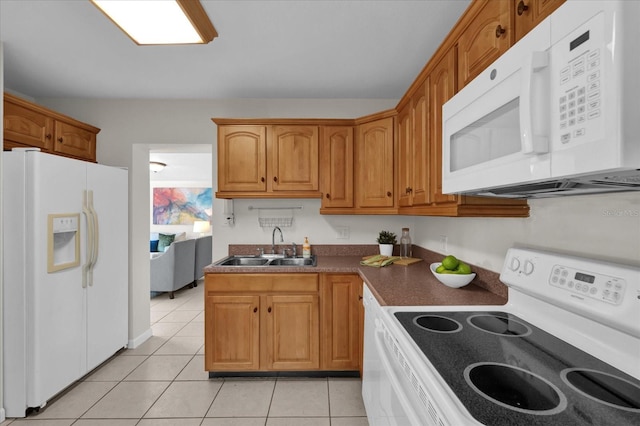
{"x": 394, "y": 380}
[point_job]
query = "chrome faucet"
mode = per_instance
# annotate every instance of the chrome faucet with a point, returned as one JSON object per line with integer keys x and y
{"x": 273, "y": 239}
{"x": 295, "y": 249}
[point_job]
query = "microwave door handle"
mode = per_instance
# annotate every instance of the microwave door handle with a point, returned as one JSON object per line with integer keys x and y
{"x": 531, "y": 144}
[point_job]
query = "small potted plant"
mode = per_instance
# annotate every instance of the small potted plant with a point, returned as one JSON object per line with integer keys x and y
{"x": 386, "y": 241}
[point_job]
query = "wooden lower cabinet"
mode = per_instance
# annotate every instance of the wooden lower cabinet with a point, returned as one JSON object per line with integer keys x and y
{"x": 283, "y": 322}
{"x": 262, "y": 322}
{"x": 232, "y": 330}
{"x": 340, "y": 329}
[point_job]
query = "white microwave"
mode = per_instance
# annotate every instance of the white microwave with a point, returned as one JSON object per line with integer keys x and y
{"x": 557, "y": 114}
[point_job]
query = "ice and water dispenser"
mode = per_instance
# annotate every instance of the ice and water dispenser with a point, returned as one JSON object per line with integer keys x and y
{"x": 63, "y": 241}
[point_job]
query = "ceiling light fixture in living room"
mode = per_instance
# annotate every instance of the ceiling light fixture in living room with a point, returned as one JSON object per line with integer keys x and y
{"x": 152, "y": 22}
{"x": 156, "y": 166}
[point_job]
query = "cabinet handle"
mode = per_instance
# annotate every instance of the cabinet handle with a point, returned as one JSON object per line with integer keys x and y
{"x": 328, "y": 196}
{"x": 275, "y": 178}
{"x": 410, "y": 190}
{"x": 262, "y": 179}
{"x": 48, "y": 136}
{"x": 500, "y": 31}
{"x": 406, "y": 190}
{"x": 522, "y": 8}
{"x": 388, "y": 193}
{"x": 60, "y": 140}
{"x": 360, "y": 297}
{"x": 269, "y": 310}
{"x": 255, "y": 310}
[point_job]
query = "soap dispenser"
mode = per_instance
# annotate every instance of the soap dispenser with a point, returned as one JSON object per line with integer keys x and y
{"x": 306, "y": 248}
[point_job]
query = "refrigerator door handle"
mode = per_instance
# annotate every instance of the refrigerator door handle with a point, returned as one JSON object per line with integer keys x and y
{"x": 95, "y": 237}
{"x": 87, "y": 213}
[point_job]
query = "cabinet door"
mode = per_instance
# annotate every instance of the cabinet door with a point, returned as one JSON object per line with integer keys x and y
{"x": 336, "y": 166}
{"x": 529, "y": 13}
{"x": 340, "y": 327}
{"x": 294, "y": 158}
{"x": 242, "y": 158}
{"x": 74, "y": 141}
{"x": 405, "y": 160}
{"x": 292, "y": 332}
{"x": 232, "y": 332}
{"x": 442, "y": 88}
{"x": 374, "y": 164}
{"x": 26, "y": 127}
{"x": 420, "y": 146}
{"x": 487, "y": 37}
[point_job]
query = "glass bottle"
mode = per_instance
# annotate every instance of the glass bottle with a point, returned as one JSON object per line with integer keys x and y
{"x": 405, "y": 243}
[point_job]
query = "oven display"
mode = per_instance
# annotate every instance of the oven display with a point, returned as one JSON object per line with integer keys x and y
{"x": 585, "y": 278}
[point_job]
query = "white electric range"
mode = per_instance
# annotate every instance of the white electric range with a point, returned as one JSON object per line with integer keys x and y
{"x": 564, "y": 350}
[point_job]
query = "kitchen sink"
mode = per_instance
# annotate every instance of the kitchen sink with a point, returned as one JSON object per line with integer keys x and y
{"x": 242, "y": 261}
{"x": 266, "y": 261}
{"x": 294, "y": 261}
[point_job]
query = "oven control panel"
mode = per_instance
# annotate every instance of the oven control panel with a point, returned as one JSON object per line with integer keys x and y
{"x": 589, "y": 284}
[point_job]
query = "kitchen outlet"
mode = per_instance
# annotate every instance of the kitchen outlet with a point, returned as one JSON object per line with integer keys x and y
{"x": 443, "y": 243}
{"x": 342, "y": 232}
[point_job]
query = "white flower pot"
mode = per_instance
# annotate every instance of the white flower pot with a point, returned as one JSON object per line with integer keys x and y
{"x": 386, "y": 249}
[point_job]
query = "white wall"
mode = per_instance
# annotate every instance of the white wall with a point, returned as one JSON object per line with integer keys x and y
{"x": 601, "y": 226}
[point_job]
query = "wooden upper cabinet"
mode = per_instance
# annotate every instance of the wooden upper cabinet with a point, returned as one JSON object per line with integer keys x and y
{"x": 529, "y": 13}
{"x": 74, "y": 141}
{"x": 336, "y": 166}
{"x": 442, "y": 88}
{"x": 488, "y": 35}
{"x": 262, "y": 159}
{"x": 413, "y": 150}
{"x": 374, "y": 164}
{"x": 405, "y": 148}
{"x": 242, "y": 158}
{"x": 29, "y": 125}
{"x": 294, "y": 158}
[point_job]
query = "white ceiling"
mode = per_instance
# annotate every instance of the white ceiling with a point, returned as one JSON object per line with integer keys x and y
{"x": 184, "y": 163}
{"x": 265, "y": 49}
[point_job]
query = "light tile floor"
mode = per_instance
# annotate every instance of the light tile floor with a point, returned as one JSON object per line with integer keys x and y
{"x": 163, "y": 383}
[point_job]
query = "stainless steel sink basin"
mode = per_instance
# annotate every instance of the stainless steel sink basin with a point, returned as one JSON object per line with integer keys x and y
{"x": 266, "y": 261}
{"x": 294, "y": 261}
{"x": 243, "y": 261}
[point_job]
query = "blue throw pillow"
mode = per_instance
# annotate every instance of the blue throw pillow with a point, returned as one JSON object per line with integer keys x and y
{"x": 153, "y": 246}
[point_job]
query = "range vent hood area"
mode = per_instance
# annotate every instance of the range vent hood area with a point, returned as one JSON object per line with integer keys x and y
{"x": 592, "y": 184}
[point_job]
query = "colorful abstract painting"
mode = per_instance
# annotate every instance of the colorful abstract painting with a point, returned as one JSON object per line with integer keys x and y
{"x": 181, "y": 206}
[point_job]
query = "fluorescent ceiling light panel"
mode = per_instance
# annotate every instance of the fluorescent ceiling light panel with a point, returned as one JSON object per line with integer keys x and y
{"x": 160, "y": 21}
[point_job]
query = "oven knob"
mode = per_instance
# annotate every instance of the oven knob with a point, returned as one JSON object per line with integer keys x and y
{"x": 515, "y": 264}
{"x": 528, "y": 267}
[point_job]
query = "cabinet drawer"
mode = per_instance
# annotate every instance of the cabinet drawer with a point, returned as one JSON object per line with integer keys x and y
{"x": 261, "y": 283}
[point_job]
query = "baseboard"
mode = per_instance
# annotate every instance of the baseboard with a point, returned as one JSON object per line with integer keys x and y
{"x": 2, "y": 415}
{"x": 134, "y": 343}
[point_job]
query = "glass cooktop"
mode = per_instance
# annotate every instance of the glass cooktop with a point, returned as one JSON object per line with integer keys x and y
{"x": 506, "y": 371}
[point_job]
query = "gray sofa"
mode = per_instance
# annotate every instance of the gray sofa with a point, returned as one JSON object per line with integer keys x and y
{"x": 173, "y": 269}
{"x": 180, "y": 265}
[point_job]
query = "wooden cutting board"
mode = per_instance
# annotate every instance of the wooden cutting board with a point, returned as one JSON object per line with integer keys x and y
{"x": 407, "y": 261}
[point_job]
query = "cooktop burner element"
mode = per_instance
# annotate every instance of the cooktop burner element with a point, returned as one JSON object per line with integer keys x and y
{"x": 604, "y": 388}
{"x": 515, "y": 388}
{"x": 506, "y": 371}
{"x": 437, "y": 324}
{"x": 497, "y": 324}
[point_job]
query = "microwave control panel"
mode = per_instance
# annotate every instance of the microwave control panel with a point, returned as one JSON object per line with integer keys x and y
{"x": 580, "y": 77}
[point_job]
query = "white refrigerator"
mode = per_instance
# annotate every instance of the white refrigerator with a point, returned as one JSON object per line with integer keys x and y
{"x": 65, "y": 273}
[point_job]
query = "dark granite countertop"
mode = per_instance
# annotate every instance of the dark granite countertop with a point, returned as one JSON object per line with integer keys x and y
{"x": 393, "y": 285}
